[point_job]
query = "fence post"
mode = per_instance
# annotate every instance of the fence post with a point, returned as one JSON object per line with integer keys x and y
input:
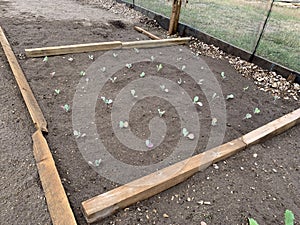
{"x": 174, "y": 20}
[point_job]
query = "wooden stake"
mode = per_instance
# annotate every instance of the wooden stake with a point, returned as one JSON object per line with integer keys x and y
{"x": 141, "y": 30}
{"x": 60, "y": 50}
{"x": 107, "y": 203}
{"x": 177, "y": 16}
{"x": 30, "y": 101}
{"x": 174, "y": 19}
{"x": 57, "y": 201}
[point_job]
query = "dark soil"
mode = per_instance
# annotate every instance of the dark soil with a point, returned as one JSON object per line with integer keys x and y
{"x": 243, "y": 186}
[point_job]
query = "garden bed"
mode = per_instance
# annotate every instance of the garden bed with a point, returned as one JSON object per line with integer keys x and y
{"x": 260, "y": 182}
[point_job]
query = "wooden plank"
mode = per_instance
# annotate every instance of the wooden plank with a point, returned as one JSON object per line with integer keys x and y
{"x": 60, "y": 50}
{"x": 57, "y": 201}
{"x": 147, "y": 33}
{"x": 155, "y": 43}
{"x": 68, "y": 49}
{"x": 273, "y": 128}
{"x": 107, "y": 203}
{"x": 30, "y": 101}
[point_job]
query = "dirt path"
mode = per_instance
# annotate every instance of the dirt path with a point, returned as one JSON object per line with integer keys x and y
{"x": 260, "y": 182}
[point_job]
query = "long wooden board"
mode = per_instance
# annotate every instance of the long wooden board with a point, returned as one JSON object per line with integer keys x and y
{"x": 107, "y": 203}
{"x": 68, "y": 49}
{"x": 80, "y": 48}
{"x": 147, "y": 33}
{"x": 155, "y": 43}
{"x": 30, "y": 101}
{"x": 57, "y": 201}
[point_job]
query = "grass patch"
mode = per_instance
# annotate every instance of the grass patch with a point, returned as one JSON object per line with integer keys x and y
{"x": 238, "y": 22}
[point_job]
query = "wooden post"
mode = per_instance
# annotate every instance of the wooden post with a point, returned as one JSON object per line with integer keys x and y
{"x": 174, "y": 19}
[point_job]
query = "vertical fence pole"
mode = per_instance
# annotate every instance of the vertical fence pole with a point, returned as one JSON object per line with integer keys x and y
{"x": 174, "y": 19}
{"x": 262, "y": 32}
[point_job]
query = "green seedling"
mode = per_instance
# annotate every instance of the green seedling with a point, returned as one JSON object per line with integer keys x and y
{"x": 136, "y": 50}
{"x": 179, "y": 59}
{"x": 149, "y": 144}
{"x": 248, "y": 116}
{"x": 106, "y": 101}
{"x": 288, "y": 218}
{"x": 187, "y": 134}
{"x": 252, "y": 222}
{"x": 115, "y": 55}
{"x": 91, "y": 57}
{"x": 82, "y": 73}
{"x": 46, "y": 59}
{"x": 113, "y": 79}
{"x": 200, "y": 81}
{"x": 152, "y": 58}
{"x": 196, "y": 101}
{"x": 215, "y": 96}
{"x": 231, "y": 96}
{"x": 57, "y": 91}
{"x": 214, "y": 122}
{"x": 159, "y": 67}
{"x": 133, "y": 93}
{"x": 66, "y": 107}
{"x": 183, "y": 67}
{"x": 123, "y": 124}
{"x": 160, "y": 112}
{"x": 223, "y": 75}
{"x": 179, "y": 81}
{"x": 163, "y": 88}
{"x": 129, "y": 66}
{"x": 52, "y": 74}
{"x": 96, "y": 163}
{"x": 77, "y": 134}
{"x": 256, "y": 111}
{"x": 142, "y": 75}
{"x": 103, "y": 69}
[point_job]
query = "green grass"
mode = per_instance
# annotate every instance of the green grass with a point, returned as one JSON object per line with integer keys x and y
{"x": 238, "y": 22}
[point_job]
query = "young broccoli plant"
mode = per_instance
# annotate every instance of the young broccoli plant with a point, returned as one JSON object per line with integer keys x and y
{"x": 96, "y": 163}
{"x": 46, "y": 59}
{"x": 160, "y": 112}
{"x": 57, "y": 91}
{"x": 106, "y": 101}
{"x": 196, "y": 101}
{"x": 223, "y": 76}
{"x": 66, "y": 107}
{"x": 163, "y": 88}
{"x": 256, "y": 111}
{"x": 113, "y": 79}
{"x": 214, "y": 121}
{"x": 149, "y": 144}
{"x": 133, "y": 93}
{"x": 248, "y": 116}
{"x": 187, "y": 134}
{"x": 159, "y": 67}
{"x": 82, "y": 73}
{"x": 231, "y": 96}
{"x": 91, "y": 57}
{"x": 128, "y": 65}
{"x": 142, "y": 75}
{"x": 123, "y": 124}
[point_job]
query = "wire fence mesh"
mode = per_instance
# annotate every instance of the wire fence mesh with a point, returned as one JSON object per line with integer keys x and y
{"x": 240, "y": 22}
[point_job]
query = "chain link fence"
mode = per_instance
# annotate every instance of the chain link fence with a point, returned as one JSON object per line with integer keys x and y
{"x": 241, "y": 22}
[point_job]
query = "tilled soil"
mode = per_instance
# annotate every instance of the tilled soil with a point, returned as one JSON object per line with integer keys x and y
{"x": 260, "y": 182}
